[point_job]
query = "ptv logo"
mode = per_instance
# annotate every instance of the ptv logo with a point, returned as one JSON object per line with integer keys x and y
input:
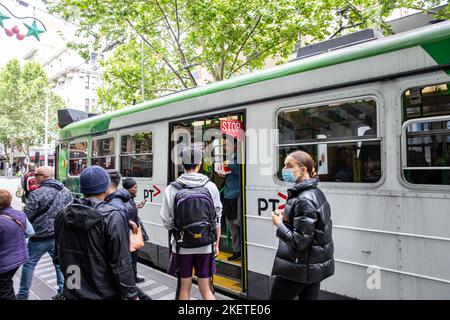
{"x": 263, "y": 204}
{"x": 150, "y": 193}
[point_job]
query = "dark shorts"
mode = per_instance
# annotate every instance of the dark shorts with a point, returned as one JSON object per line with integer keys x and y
{"x": 203, "y": 264}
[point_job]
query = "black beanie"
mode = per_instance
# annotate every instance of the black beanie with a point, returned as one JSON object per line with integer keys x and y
{"x": 128, "y": 183}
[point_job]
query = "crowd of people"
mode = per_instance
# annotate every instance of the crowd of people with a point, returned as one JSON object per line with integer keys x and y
{"x": 92, "y": 239}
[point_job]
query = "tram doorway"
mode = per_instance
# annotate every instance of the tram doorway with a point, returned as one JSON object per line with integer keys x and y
{"x": 222, "y": 139}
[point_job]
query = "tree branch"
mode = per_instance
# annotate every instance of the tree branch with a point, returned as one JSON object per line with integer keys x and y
{"x": 157, "y": 52}
{"x": 245, "y": 41}
{"x": 254, "y": 57}
{"x": 177, "y": 41}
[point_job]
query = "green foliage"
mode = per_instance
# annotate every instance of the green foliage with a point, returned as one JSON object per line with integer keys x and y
{"x": 224, "y": 37}
{"x": 23, "y": 92}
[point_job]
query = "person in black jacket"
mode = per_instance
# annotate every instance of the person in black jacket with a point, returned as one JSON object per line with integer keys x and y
{"x": 41, "y": 209}
{"x": 92, "y": 244}
{"x": 305, "y": 252}
{"x": 130, "y": 185}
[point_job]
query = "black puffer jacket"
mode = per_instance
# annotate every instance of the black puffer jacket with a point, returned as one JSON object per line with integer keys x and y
{"x": 93, "y": 235}
{"x": 44, "y": 204}
{"x": 305, "y": 251}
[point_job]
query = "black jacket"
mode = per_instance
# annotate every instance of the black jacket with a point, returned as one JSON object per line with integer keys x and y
{"x": 93, "y": 236}
{"x": 118, "y": 199}
{"x": 44, "y": 204}
{"x": 305, "y": 250}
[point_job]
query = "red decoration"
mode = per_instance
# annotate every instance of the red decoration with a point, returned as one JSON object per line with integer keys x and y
{"x": 8, "y": 32}
{"x": 15, "y": 30}
{"x": 20, "y": 36}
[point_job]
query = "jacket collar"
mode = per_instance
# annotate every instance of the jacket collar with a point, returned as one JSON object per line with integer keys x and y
{"x": 302, "y": 186}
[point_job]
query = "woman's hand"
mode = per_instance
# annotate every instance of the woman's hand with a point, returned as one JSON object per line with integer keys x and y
{"x": 277, "y": 217}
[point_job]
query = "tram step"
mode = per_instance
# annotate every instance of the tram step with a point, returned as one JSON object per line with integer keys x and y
{"x": 229, "y": 269}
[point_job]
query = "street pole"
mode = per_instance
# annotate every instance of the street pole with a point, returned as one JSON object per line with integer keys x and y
{"x": 143, "y": 73}
{"x": 46, "y": 131}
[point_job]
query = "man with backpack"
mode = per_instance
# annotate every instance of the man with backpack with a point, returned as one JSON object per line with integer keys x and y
{"x": 191, "y": 210}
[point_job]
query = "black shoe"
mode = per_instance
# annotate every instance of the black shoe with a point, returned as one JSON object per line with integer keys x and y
{"x": 58, "y": 296}
{"x": 21, "y": 298}
{"x": 139, "y": 280}
{"x": 235, "y": 256}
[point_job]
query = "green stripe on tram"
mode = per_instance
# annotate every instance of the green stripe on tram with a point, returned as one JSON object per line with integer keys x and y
{"x": 433, "y": 40}
{"x": 439, "y": 51}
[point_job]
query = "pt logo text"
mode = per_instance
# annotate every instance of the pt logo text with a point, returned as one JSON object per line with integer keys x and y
{"x": 263, "y": 204}
{"x": 150, "y": 193}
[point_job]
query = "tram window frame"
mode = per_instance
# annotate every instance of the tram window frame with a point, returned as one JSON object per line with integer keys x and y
{"x": 440, "y": 117}
{"x": 121, "y": 154}
{"x": 336, "y": 140}
{"x": 112, "y": 156}
{"x": 82, "y": 158}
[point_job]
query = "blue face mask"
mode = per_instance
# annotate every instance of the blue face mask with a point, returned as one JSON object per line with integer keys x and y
{"x": 288, "y": 175}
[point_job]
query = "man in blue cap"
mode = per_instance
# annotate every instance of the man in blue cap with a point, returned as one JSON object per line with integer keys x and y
{"x": 92, "y": 244}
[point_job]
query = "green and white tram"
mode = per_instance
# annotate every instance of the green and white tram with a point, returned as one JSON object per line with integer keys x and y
{"x": 376, "y": 118}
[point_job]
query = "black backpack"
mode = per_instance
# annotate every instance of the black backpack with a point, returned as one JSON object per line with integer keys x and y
{"x": 194, "y": 216}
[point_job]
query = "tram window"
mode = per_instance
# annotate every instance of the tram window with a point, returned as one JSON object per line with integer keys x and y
{"x": 136, "y": 158}
{"x": 103, "y": 153}
{"x": 427, "y": 101}
{"x": 77, "y": 158}
{"x": 428, "y": 150}
{"x": 342, "y": 138}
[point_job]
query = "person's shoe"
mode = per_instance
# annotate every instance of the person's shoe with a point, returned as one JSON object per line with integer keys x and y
{"x": 58, "y": 296}
{"x": 139, "y": 279}
{"x": 235, "y": 256}
{"x": 18, "y": 297}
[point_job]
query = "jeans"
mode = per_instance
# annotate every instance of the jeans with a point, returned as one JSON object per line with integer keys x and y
{"x": 36, "y": 249}
{"x": 284, "y": 289}
{"x": 134, "y": 261}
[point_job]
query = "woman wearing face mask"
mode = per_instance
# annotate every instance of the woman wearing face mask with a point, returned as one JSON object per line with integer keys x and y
{"x": 305, "y": 251}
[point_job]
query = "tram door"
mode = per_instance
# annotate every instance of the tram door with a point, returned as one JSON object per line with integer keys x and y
{"x": 222, "y": 140}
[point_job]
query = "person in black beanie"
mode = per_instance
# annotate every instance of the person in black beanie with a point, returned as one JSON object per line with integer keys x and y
{"x": 131, "y": 185}
{"x": 92, "y": 242}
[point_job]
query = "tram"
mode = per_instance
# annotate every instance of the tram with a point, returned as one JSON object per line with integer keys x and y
{"x": 376, "y": 118}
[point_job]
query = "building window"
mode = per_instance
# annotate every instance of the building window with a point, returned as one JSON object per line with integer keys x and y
{"x": 93, "y": 83}
{"x": 341, "y": 137}
{"x": 86, "y": 82}
{"x": 86, "y": 105}
{"x": 103, "y": 153}
{"x": 136, "y": 157}
{"x": 426, "y": 135}
{"x": 77, "y": 158}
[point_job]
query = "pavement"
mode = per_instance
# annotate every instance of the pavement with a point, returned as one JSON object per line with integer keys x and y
{"x": 158, "y": 285}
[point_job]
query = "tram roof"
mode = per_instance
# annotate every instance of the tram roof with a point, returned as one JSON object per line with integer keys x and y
{"x": 435, "y": 39}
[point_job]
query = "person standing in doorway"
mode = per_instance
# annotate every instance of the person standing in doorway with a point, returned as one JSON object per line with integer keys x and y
{"x": 231, "y": 197}
{"x": 305, "y": 250}
{"x": 41, "y": 209}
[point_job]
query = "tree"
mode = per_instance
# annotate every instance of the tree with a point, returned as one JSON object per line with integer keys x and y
{"x": 225, "y": 37}
{"x": 24, "y": 91}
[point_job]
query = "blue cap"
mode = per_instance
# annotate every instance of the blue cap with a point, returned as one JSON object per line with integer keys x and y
{"x": 94, "y": 180}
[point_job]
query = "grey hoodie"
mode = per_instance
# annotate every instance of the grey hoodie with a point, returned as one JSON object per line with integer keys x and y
{"x": 167, "y": 215}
